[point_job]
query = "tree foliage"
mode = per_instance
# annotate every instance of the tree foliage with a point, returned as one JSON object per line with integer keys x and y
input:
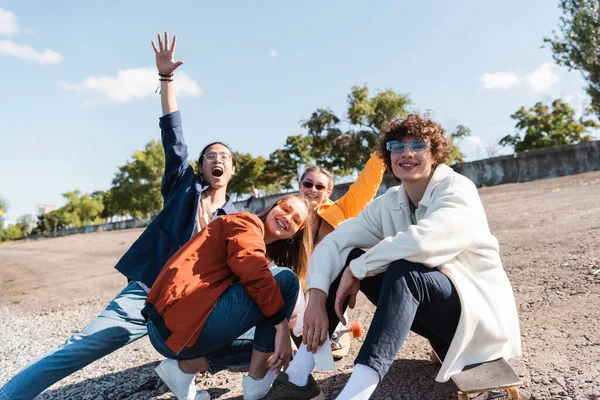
{"x": 136, "y": 186}
{"x": 548, "y": 126}
{"x": 457, "y": 156}
{"x": 81, "y": 209}
{"x": 247, "y": 173}
{"x": 343, "y": 146}
{"x": 50, "y": 222}
{"x": 577, "y": 44}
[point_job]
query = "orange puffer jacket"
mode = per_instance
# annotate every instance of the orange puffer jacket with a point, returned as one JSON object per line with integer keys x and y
{"x": 229, "y": 248}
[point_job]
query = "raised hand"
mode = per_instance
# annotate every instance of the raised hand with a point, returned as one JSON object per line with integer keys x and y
{"x": 165, "y": 56}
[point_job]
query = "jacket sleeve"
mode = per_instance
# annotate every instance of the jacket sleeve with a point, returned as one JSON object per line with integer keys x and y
{"x": 246, "y": 256}
{"x": 444, "y": 231}
{"x": 359, "y": 194}
{"x": 329, "y": 257}
{"x": 176, "y": 153}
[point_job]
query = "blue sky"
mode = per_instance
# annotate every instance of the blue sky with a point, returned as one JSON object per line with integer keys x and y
{"x": 78, "y": 77}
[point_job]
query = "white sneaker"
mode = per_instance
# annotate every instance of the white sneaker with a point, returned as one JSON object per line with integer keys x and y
{"x": 181, "y": 384}
{"x": 255, "y": 389}
{"x": 202, "y": 395}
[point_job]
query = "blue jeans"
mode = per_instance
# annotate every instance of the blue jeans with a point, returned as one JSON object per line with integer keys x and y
{"x": 119, "y": 324}
{"x": 408, "y": 297}
{"x": 234, "y": 313}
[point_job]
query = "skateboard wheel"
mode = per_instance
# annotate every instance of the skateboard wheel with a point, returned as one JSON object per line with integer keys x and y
{"x": 513, "y": 393}
{"x": 355, "y": 329}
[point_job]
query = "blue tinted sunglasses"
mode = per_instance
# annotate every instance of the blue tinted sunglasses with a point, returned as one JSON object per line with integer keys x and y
{"x": 396, "y": 146}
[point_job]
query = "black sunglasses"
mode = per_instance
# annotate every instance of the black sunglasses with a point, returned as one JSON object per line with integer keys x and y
{"x": 318, "y": 186}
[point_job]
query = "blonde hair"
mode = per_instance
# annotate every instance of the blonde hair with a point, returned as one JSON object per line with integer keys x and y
{"x": 321, "y": 170}
{"x": 293, "y": 255}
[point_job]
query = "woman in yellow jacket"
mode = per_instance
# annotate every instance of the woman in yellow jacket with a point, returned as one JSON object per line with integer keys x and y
{"x": 316, "y": 184}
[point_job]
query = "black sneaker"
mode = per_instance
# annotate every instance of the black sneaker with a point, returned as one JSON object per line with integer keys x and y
{"x": 283, "y": 389}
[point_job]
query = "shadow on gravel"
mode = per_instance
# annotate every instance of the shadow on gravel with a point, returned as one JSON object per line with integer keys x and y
{"x": 134, "y": 383}
{"x": 406, "y": 380}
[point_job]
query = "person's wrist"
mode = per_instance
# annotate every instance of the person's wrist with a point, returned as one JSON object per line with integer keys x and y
{"x": 282, "y": 326}
{"x": 317, "y": 296}
{"x": 350, "y": 273}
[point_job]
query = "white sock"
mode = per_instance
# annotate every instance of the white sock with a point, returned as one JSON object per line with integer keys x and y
{"x": 361, "y": 385}
{"x": 301, "y": 366}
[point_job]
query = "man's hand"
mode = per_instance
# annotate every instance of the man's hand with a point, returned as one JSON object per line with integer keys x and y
{"x": 349, "y": 287}
{"x": 316, "y": 321}
{"x": 165, "y": 56}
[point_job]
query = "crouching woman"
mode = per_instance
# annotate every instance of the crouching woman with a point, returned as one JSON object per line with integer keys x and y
{"x": 219, "y": 285}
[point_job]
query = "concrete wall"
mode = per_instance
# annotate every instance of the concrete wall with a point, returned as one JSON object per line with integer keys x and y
{"x": 338, "y": 191}
{"x": 111, "y": 226}
{"x": 532, "y": 165}
{"x": 519, "y": 167}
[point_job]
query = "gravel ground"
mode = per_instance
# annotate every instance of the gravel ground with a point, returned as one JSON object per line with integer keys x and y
{"x": 549, "y": 232}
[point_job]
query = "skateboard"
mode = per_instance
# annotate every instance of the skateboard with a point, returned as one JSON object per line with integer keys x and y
{"x": 486, "y": 381}
{"x": 340, "y": 340}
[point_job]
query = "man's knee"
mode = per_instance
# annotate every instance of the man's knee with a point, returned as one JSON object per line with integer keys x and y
{"x": 408, "y": 273}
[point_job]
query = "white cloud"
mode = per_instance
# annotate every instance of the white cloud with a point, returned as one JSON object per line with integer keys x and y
{"x": 499, "y": 80}
{"x": 9, "y": 23}
{"x": 130, "y": 84}
{"x": 543, "y": 78}
{"x": 579, "y": 102}
{"x": 273, "y": 53}
{"x": 27, "y": 52}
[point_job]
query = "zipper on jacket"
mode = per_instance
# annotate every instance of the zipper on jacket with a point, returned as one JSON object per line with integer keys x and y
{"x": 197, "y": 329}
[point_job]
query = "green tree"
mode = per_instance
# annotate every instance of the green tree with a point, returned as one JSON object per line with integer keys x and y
{"x": 283, "y": 164}
{"x": 247, "y": 173}
{"x": 457, "y": 156}
{"x": 343, "y": 146}
{"x": 548, "y": 126}
{"x": 81, "y": 209}
{"x": 24, "y": 223}
{"x": 50, "y": 222}
{"x": 136, "y": 186}
{"x": 577, "y": 44}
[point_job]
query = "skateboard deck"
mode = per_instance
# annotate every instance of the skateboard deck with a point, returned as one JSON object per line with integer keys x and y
{"x": 340, "y": 341}
{"x": 489, "y": 380}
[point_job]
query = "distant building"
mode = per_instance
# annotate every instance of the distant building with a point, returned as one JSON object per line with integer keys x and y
{"x": 6, "y": 223}
{"x": 41, "y": 209}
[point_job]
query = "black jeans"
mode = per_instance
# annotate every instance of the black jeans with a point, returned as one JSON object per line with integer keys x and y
{"x": 408, "y": 297}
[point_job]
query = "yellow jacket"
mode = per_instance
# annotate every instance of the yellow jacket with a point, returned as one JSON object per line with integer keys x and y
{"x": 359, "y": 194}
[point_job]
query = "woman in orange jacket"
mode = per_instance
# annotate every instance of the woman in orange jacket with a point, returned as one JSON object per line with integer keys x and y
{"x": 219, "y": 285}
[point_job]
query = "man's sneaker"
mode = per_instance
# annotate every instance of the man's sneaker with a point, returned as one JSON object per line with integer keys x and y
{"x": 283, "y": 389}
{"x": 181, "y": 384}
{"x": 255, "y": 389}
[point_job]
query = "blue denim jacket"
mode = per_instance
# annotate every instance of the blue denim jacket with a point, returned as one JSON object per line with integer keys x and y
{"x": 174, "y": 225}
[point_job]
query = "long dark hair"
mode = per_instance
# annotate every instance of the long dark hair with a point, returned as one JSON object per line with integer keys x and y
{"x": 293, "y": 255}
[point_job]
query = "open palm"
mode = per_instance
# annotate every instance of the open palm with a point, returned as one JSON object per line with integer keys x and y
{"x": 165, "y": 56}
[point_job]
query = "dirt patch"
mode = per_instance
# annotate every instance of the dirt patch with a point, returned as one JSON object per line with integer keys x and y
{"x": 549, "y": 233}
